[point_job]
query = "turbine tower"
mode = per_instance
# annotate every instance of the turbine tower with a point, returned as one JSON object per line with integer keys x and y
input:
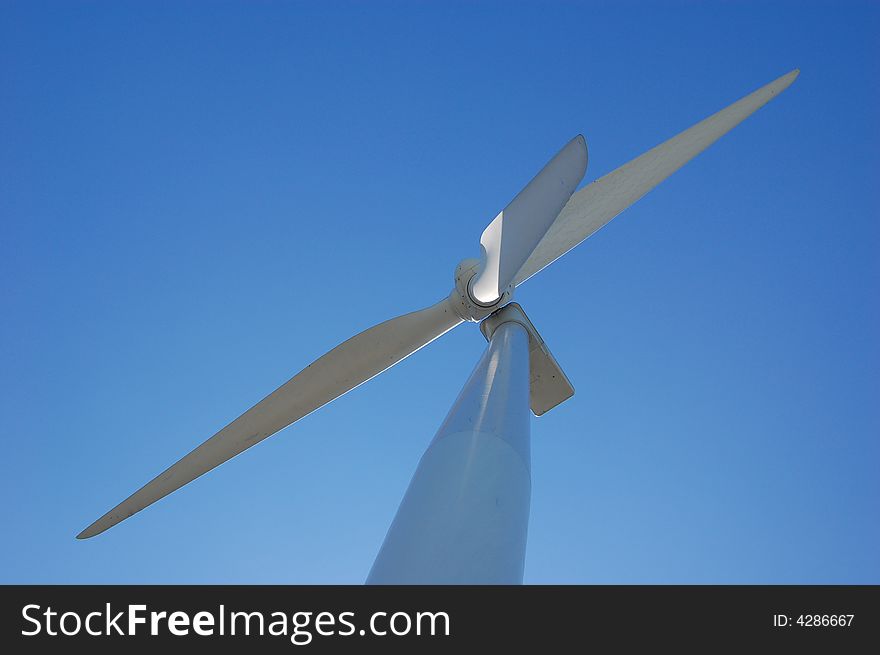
{"x": 464, "y": 517}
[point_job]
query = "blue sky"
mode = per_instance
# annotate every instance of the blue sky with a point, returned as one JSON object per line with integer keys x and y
{"x": 197, "y": 200}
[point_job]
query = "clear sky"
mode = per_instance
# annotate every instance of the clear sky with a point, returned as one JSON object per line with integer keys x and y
{"x": 198, "y": 199}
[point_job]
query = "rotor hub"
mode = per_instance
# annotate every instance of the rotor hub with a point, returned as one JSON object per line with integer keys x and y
{"x": 465, "y": 305}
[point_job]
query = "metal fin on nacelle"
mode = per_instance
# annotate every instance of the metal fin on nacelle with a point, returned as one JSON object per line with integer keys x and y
{"x": 548, "y": 384}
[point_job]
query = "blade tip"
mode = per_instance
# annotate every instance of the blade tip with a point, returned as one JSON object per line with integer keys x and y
{"x": 584, "y": 153}
{"x": 787, "y": 79}
{"x": 90, "y": 532}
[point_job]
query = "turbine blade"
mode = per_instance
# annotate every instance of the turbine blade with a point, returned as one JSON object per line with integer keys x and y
{"x": 512, "y": 236}
{"x": 596, "y": 204}
{"x": 342, "y": 369}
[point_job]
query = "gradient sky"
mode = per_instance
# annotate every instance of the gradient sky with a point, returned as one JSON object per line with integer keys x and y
{"x": 198, "y": 199}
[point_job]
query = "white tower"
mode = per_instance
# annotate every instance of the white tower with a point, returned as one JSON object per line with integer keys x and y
{"x": 464, "y": 518}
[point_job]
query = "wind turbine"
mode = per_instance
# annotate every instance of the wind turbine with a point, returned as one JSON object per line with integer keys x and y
{"x": 464, "y": 516}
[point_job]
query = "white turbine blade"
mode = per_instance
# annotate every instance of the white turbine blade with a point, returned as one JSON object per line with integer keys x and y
{"x": 346, "y": 366}
{"x": 512, "y": 236}
{"x": 596, "y": 204}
